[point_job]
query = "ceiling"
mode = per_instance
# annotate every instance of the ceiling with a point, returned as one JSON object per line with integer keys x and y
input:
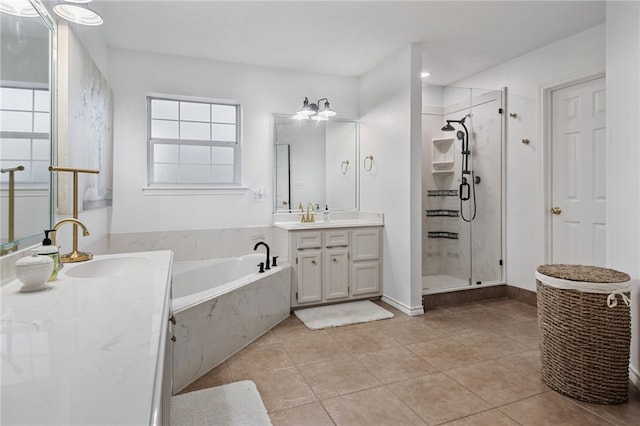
{"x": 346, "y": 38}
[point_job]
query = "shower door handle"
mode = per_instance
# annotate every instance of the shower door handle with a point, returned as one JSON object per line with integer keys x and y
{"x": 556, "y": 210}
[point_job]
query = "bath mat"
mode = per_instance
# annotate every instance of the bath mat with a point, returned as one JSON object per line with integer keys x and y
{"x": 237, "y": 403}
{"x": 341, "y": 314}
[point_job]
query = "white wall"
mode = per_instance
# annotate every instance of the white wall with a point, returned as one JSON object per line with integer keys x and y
{"x": 623, "y": 154}
{"x": 261, "y": 91}
{"x": 577, "y": 56}
{"x": 390, "y": 126}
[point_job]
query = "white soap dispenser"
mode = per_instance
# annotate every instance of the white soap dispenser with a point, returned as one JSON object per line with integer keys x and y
{"x": 326, "y": 213}
{"x": 46, "y": 249}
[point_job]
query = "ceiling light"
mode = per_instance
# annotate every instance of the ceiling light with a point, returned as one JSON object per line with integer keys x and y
{"x": 314, "y": 111}
{"x": 78, "y": 14}
{"x": 425, "y": 74}
{"x": 21, "y": 8}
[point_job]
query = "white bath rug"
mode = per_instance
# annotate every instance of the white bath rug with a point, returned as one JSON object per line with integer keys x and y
{"x": 341, "y": 314}
{"x": 234, "y": 404}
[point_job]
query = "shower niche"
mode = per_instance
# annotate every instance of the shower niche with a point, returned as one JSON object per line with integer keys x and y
{"x": 442, "y": 159}
{"x": 463, "y": 133}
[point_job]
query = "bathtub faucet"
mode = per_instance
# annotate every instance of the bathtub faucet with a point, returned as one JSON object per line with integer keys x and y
{"x": 267, "y": 262}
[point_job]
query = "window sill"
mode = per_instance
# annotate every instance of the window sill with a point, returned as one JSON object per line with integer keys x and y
{"x": 195, "y": 190}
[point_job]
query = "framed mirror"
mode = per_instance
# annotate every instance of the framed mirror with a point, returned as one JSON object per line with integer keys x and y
{"x": 26, "y": 124}
{"x": 315, "y": 162}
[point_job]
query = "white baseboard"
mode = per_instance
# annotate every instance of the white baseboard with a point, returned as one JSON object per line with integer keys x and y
{"x": 411, "y": 311}
{"x": 634, "y": 376}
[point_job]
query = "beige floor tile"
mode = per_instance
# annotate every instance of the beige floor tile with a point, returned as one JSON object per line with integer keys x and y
{"x": 486, "y": 418}
{"x": 495, "y": 384}
{"x": 217, "y": 377}
{"x": 363, "y": 339}
{"x": 308, "y": 415}
{"x": 314, "y": 349}
{"x": 527, "y": 364}
{"x": 257, "y": 359}
{"x": 446, "y": 353}
{"x": 337, "y": 377}
{"x": 483, "y": 318}
{"x": 377, "y": 406}
{"x": 550, "y": 409}
{"x": 491, "y": 345}
{"x": 295, "y": 332}
{"x": 267, "y": 338}
{"x": 437, "y": 398}
{"x": 408, "y": 332}
{"x": 625, "y": 414}
{"x": 395, "y": 364}
{"x": 525, "y": 332}
{"x": 519, "y": 311}
{"x": 282, "y": 389}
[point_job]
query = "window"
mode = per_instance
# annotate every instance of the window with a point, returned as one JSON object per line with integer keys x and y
{"x": 193, "y": 141}
{"x": 24, "y": 139}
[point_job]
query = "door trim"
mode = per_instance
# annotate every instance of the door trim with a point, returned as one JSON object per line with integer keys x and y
{"x": 546, "y": 118}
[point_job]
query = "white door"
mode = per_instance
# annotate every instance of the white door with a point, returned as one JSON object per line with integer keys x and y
{"x": 578, "y": 143}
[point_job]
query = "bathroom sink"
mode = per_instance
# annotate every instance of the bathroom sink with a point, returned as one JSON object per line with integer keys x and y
{"x": 101, "y": 268}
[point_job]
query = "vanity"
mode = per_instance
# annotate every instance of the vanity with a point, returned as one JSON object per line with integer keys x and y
{"x": 334, "y": 261}
{"x": 95, "y": 348}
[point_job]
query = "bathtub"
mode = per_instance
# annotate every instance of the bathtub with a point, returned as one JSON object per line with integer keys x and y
{"x": 220, "y": 306}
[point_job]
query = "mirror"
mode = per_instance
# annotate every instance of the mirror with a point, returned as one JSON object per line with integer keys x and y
{"x": 315, "y": 162}
{"x": 26, "y": 117}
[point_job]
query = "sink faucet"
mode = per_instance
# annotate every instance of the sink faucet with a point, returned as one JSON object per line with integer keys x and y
{"x": 75, "y": 255}
{"x": 262, "y": 243}
{"x": 309, "y": 217}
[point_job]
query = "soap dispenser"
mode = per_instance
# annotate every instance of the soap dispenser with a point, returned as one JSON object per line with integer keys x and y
{"x": 47, "y": 249}
{"x": 326, "y": 213}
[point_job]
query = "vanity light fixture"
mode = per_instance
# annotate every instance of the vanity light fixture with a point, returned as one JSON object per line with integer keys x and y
{"x": 314, "y": 111}
{"x": 21, "y": 8}
{"x": 78, "y": 12}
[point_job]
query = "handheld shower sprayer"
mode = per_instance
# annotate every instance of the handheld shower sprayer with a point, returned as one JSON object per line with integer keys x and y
{"x": 465, "y": 189}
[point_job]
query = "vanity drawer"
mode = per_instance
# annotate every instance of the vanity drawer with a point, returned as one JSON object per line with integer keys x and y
{"x": 339, "y": 238}
{"x": 307, "y": 240}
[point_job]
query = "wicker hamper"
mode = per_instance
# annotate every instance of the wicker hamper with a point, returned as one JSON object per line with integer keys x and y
{"x": 584, "y": 325}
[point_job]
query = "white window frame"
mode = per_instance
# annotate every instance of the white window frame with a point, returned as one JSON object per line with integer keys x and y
{"x": 31, "y": 135}
{"x": 162, "y": 188}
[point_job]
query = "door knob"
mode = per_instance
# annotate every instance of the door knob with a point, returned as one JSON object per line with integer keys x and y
{"x": 556, "y": 210}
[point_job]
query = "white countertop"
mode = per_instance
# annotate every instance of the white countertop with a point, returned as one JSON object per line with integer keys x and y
{"x": 291, "y": 221}
{"x": 341, "y": 223}
{"x": 85, "y": 351}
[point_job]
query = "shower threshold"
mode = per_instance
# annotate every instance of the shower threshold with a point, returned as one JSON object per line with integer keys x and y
{"x": 432, "y": 284}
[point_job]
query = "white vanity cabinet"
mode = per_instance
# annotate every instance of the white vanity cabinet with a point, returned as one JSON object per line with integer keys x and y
{"x": 331, "y": 265}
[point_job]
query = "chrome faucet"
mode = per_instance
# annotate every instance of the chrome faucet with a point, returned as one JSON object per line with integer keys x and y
{"x": 75, "y": 255}
{"x": 267, "y": 262}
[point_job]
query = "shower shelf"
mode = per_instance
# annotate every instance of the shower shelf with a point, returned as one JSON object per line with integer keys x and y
{"x": 443, "y": 212}
{"x": 442, "y": 192}
{"x": 447, "y": 235}
{"x": 442, "y": 160}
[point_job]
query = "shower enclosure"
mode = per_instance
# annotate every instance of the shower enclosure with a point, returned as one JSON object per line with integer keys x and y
{"x": 462, "y": 188}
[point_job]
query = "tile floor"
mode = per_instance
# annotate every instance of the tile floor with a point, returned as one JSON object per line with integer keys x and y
{"x": 473, "y": 364}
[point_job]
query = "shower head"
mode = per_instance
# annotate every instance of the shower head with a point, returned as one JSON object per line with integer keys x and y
{"x": 448, "y": 127}
{"x": 460, "y": 135}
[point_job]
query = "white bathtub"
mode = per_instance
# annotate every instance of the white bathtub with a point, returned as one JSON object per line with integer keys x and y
{"x": 222, "y": 305}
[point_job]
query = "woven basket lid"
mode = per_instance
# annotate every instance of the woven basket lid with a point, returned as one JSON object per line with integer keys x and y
{"x": 583, "y": 273}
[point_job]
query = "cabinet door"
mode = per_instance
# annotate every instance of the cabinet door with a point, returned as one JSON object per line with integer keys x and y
{"x": 337, "y": 274}
{"x": 309, "y": 276}
{"x": 365, "y": 277}
{"x": 365, "y": 244}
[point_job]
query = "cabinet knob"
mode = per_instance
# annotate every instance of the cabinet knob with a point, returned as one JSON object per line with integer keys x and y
{"x": 313, "y": 262}
{"x": 335, "y": 260}
{"x": 172, "y": 319}
{"x": 556, "y": 210}
{"x": 173, "y": 338}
